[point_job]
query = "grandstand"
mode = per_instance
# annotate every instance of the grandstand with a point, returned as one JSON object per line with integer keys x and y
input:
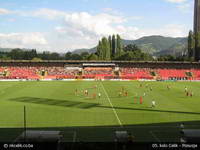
{"x": 65, "y": 107}
{"x": 31, "y": 70}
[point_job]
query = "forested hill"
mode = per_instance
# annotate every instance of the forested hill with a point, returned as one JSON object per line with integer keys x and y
{"x": 10, "y": 49}
{"x": 155, "y": 45}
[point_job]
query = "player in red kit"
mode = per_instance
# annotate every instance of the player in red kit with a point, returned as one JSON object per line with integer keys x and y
{"x": 94, "y": 96}
{"x": 126, "y": 93}
{"x": 76, "y": 91}
{"x": 141, "y": 100}
{"x": 187, "y": 93}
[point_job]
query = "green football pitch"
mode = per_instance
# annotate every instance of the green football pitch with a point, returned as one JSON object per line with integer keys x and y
{"x": 54, "y": 105}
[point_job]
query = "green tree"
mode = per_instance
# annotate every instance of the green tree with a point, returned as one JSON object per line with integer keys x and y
{"x": 113, "y": 46}
{"x": 68, "y": 56}
{"x": 33, "y": 53}
{"x": 132, "y": 52}
{"x": 54, "y": 56}
{"x": 100, "y": 51}
{"x": 17, "y": 54}
{"x": 45, "y": 55}
{"x": 76, "y": 57}
{"x": 119, "y": 46}
{"x": 5, "y": 57}
{"x": 84, "y": 55}
{"x": 191, "y": 44}
{"x": 166, "y": 58}
{"x": 92, "y": 57}
{"x": 131, "y": 47}
{"x": 197, "y": 46}
{"x": 105, "y": 48}
{"x": 110, "y": 43}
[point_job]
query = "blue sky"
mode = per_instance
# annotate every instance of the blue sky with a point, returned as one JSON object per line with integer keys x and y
{"x": 63, "y": 25}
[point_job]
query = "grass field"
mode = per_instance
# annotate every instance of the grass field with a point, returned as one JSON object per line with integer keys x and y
{"x": 54, "y": 106}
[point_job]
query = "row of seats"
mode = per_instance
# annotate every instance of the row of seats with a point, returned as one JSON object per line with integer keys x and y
{"x": 93, "y": 72}
{"x": 136, "y": 73}
{"x": 196, "y": 73}
{"x": 37, "y": 72}
{"x": 148, "y": 73}
{"x": 97, "y": 71}
{"x": 20, "y": 72}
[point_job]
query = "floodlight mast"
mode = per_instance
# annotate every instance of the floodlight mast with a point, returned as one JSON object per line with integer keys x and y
{"x": 24, "y": 123}
{"x": 196, "y": 16}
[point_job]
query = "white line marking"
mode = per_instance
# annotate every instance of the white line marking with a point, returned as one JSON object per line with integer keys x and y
{"x": 155, "y": 137}
{"x": 120, "y": 123}
{"x": 140, "y": 127}
{"x": 74, "y": 137}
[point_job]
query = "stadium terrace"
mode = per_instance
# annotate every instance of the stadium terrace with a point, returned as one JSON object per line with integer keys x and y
{"x": 103, "y": 70}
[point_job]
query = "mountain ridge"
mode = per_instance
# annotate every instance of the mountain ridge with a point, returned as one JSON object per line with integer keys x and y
{"x": 155, "y": 45}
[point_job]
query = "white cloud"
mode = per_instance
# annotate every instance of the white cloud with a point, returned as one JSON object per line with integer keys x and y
{"x": 176, "y": 1}
{"x": 68, "y": 38}
{"x": 171, "y": 30}
{"x": 82, "y": 30}
{"x": 184, "y": 6}
{"x": 98, "y": 25}
{"x": 4, "y": 11}
{"x": 48, "y": 13}
{"x": 22, "y": 40}
{"x": 84, "y": 24}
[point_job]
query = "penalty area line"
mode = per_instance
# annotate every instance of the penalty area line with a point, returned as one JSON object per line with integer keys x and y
{"x": 154, "y": 136}
{"x": 74, "y": 136}
{"x": 119, "y": 121}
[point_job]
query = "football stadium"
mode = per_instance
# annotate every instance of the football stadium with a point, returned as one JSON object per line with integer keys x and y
{"x": 95, "y": 75}
{"x": 91, "y": 101}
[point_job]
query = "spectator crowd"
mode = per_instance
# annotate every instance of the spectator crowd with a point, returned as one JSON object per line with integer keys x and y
{"x": 62, "y": 72}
